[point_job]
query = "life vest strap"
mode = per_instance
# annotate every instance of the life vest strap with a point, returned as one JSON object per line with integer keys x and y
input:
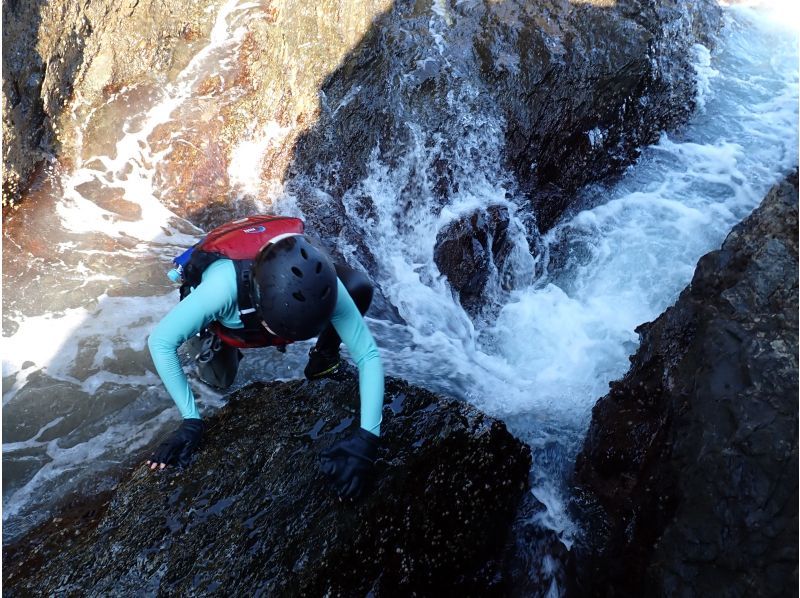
{"x": 247, "y": 311}
{"x": 239, "y": 241}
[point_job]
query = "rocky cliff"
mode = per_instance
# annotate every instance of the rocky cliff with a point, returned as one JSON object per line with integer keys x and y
{"x": 549, "y": 96}
{"x": 577, "y": 86}
{"x": 253, "y": 515}
{"x": 63, "y": 59}
{"x": 690, "y": 468}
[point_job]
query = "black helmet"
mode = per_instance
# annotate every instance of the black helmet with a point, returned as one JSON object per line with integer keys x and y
{"x": 293, "y": 288}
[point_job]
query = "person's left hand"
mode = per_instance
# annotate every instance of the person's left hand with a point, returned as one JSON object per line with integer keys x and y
{"x": 348, "y": 463}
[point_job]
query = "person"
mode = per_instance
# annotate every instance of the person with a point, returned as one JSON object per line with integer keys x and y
{"x": 260, "y": 281}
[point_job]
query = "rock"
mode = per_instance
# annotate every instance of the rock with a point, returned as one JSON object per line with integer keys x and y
{"x": 470, "y": 251}
{"x": 577, "y": 89}
{"x": 542, "y": 98}
{"x": 253, "y": 515}
{"x": 589, "y": 86}
{"x": 690, "y": 465}
{"x": 538, "y": 563}
{"x": 548, "y": 96}
{"x": 63, "y": 59}
{"x": 274, "y": 97}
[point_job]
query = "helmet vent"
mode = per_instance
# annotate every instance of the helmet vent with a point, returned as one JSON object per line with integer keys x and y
{"x": 325, "y": 293}
{"x": 303, "y": 253}
{"x": 319, "y": 267}
{"x": 299, "y": 296}
{"x": 297, "y": 272}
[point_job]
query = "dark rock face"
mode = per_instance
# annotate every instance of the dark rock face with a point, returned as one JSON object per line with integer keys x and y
{"x": 580, "y": 87}
{"x": 538, "y": 562}
{"x": 542, "y": 98}
{"x": 590, "y": 84}
{"x": 253, "y": 516}
{"x": 692, "y": 456}
{"x": 469, "y": 250}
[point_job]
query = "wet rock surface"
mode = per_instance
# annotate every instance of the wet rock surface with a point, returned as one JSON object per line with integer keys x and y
{"x": 271, "y": 97}
{"x": 253, "y": 515}
{"x": 577, "y": 87}
{"x": 63, "y": 59}
{"x": 549, "y": 96}
{"x": 472, "y": 249}
{"x": 689, "y": 468}
{"x": 322, "y": 89}
{"x": 589, "y": 85}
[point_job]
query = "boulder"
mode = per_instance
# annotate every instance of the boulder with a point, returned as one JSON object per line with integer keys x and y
{"x": 544, "y": 96}
{"x": 585, "y": 85}
{"x": 689, "y": 469}
{"x": 470, "y": 251}
{"x": 253, "y": 515}
{"x": 534, "y": 98}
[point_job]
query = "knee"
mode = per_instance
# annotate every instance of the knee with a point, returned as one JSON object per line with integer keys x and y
{"x": 360, "y": 288}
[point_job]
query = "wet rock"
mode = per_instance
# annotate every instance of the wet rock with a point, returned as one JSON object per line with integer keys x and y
{"x": 588, "y": 86}
{"x": 570, "y": 92}
{"x": 63, "y": 59}
{"x": 470, "y": 251}
{"x": 270, "y": 97}
{"x": 575, "y": 87}
{"x": 689, "y": 467}
{"x": 253, "y": 515}
{"x": 538, "y": 563}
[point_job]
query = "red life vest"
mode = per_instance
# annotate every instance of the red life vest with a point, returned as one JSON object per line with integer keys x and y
{"x": 239, "y": 241}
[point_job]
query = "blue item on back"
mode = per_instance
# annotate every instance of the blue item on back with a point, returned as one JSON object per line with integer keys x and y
{"x": 176, "y": 274}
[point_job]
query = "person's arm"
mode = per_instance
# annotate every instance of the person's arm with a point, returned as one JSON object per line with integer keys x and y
{"x": 202, "y": 306}
{"x": 353, "y": 331}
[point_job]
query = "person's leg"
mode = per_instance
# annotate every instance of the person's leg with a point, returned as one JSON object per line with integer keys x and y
{"x": 323, "y": 359}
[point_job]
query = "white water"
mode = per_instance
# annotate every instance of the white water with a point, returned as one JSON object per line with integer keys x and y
{"x": 561, "y": 338}
{"x": 80, "y": 393}
{"x": 540, "y": 364}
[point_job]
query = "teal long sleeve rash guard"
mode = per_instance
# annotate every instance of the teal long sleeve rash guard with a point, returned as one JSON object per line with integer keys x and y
{"x": 214, "y": 299}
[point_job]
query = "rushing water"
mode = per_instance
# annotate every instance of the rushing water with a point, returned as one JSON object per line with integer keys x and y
{"x": 84, "y": 287}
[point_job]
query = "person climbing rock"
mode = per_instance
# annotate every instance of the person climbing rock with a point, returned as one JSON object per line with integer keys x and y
{"x": 259, "y": 282}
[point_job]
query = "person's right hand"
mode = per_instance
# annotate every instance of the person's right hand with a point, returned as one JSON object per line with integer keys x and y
{"x": 178, "y": 448}
{"x": 348, "y": 463}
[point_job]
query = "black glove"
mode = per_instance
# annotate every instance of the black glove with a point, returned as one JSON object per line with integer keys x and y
{"x": 348, "y": 463}
{"x": 178, "y": 448}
